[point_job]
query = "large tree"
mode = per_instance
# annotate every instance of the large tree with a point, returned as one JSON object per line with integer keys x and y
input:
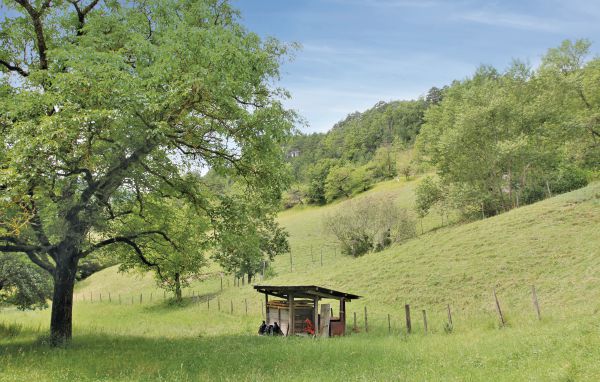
{"x": 104, "y": 107}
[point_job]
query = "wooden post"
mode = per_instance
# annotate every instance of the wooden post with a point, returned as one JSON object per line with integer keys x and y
{"x": 389, "y": 324}
{"x": 536, "y": 305}
{"x": 425, "y": 321}
{"x": 316, "y": 315}
{"x": 325, "y": 319}
{"x": 498, "y": 308}
{"x": 267, "y": 310}
{"x": 408, "y": 323}
{"x": 291, "y": 315}
{"x": 343, "y": 313}
{"x": 366, "y": 321}
{"x": 449, "y": 316}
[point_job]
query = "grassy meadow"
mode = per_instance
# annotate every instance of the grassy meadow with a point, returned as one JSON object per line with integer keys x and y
{"x": 553, "y": 244}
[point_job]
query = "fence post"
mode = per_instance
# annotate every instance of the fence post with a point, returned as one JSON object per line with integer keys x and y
{"x": 535, "y": 302}
{"x": 408, "y": 323}
{"x": 498, "y": 308}
{"x": 366, "y": 321}
{"x": 425, "y": 320}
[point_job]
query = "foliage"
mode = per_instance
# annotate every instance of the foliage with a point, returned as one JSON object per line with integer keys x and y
{"x": 114, "y": 106}
{"x": 177, "y": 260}
{"x": 373, "y": 137}
{"x": 429, "y": 193}
{"x": 369, "y": 224}
{"x": 248, "y": 240}
{"x": 384, "y": 164}
{"x": 22, "y": 284}
{"x": 294, "y": 196}
{"x": 346, "y": 180}
{"x": 499, "y": 140}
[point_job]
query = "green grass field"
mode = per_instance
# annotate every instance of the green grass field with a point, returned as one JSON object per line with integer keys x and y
{"x": 554, "y": 245}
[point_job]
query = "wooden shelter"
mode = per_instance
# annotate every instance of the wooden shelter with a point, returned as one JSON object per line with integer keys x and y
{"x": 296, "y": 309}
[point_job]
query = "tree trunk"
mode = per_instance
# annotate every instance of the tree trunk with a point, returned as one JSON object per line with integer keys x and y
{"x": 249, "y": 278}
{"x": 61, "y": 320}
{"x": 177, "y": 287}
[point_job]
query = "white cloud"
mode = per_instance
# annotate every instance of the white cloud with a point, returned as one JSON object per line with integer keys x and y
{"x": 511, "y": 20}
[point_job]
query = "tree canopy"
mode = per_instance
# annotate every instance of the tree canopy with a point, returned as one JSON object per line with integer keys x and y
{"x": 107, "y": 110}
{"x": 499, "y": 140}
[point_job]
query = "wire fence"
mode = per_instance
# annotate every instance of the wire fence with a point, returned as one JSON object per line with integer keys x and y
{"x": 410, "y": 320}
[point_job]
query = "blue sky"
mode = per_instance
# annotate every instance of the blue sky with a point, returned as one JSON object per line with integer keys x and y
{"x": 358, "y": 52}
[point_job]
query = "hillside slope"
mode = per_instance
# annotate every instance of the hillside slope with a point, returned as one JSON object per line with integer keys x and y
{"x": 554, "y": 245}
{"x": 133, "y": 334}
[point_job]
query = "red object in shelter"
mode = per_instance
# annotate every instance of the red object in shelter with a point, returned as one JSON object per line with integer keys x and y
{"x": 309, "y": 327}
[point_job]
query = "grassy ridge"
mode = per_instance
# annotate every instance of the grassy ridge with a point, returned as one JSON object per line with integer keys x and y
{"x": 554, "y": 244}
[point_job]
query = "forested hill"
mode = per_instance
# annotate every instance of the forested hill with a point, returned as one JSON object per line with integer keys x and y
{"x": 362, "y": 147}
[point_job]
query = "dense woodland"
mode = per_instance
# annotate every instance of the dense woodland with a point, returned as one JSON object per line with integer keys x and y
{"x": 357, "y": 151}
{"x": 496, "y": 140}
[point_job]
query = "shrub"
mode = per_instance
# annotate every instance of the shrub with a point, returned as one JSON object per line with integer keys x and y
{"x": 369, "y": 224}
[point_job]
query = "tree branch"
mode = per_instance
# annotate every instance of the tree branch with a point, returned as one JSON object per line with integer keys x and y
{"x": 82, "y": 13}
{"x": 14, "y": 68}
{"x": 36, "y": 17}
{"x": 130, "y": 239}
